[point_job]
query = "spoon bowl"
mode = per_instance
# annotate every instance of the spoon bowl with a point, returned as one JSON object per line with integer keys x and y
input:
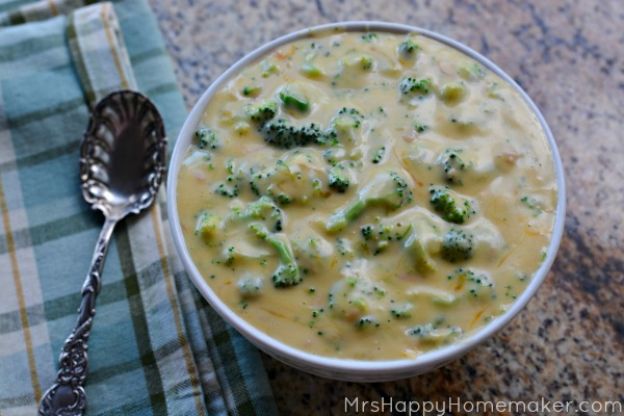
{"x": 122, "y": 157}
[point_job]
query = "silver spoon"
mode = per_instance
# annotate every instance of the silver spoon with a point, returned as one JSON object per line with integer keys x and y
{"x": 122, "y": 163}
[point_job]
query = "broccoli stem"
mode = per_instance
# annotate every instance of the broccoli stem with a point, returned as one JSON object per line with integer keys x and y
{"x": 341, "y": 218}
{"x": 287, "y": 273}
{"x": 388, "y": 189}
{"x": 293, "y": 99}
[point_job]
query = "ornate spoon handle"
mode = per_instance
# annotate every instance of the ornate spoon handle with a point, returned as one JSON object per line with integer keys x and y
{"x": 67, "y": 397}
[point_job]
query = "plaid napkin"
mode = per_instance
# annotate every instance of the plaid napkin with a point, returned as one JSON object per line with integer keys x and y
{"x": 156, "y": 346}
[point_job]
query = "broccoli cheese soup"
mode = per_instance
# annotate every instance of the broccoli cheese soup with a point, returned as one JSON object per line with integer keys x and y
{"x": 367, "y": 195}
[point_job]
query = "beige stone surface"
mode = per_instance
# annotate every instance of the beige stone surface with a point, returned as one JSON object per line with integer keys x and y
{"x": 568, "y": 344}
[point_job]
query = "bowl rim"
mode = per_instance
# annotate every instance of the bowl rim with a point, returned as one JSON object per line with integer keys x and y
{"x": 354, "y": 367}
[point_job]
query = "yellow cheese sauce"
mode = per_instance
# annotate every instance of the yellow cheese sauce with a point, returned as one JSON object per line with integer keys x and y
{"x": 367, "y": 195}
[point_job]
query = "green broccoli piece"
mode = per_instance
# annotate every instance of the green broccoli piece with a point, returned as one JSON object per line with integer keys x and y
{"x": 452, "y": 165}
{"x": 207, "y": 138}
{"x": 420, "y": 127}
{"x": 386, "y": 189}
{"x": 311, "y": 71}
{"x": 294, "y": 99}
{"x": 422, "y": 261}
{"x": 263, "y": 209}
{"x": 343, "y": 123}
{"x": 298, "y": 176}
{"x": 430, "y": 334}
{"x": 378, "y": 237}
{"x": 366, "y": 62}
{"x": 471, "y": 72}
{"x": 227, "y": 190}
{"x": 280, "y": 133}
{"x": 457, "y": 245}
{"x": 378, "y": 155}
{"x": 287, "y": 273}
{"x": 207, "y": 225}
{"x": 262, "y": 112}
{"x": 415, "y": 87}
{"x": 338, "y": 179}
{"x": 533, "y": 204}
{"x": 268, "y": 69}
{"x": 369, "y": 37}
{"x": 344, "y": 247}
{"x": 408, "y": 49}
{"x": 402, "y": 311}
{"x": 445, "y": 204}
{"x": 367, "y": 231}
{"x": 477, "y": 285}
{"x": 230, "y": 188}
{"x": 251, "y": 90}
{"x": 249, "y": 286}
{"x": 367, "y": 321}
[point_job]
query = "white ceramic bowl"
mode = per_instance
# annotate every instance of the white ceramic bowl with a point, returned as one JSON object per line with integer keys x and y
{"x": 347, "y": 369}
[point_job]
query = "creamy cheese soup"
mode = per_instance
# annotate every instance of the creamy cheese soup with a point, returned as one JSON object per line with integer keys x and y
{"x": 367, "y": 195}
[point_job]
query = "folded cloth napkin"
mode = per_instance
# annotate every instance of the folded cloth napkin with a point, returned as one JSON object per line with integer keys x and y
{"x": 156, "y": 347}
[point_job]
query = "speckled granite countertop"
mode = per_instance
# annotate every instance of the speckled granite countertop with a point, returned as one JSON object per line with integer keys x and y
{"x": 568, "y": 344}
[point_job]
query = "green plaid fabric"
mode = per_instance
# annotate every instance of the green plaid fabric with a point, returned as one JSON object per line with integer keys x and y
{"x": 156, "y": 346}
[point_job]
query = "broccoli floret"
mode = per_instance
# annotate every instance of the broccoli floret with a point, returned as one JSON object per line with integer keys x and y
{"x": 338, "y": 179}
{"x": 287, "y": 273}
{"x": 386, "y": 189}
{"x": 533, "y": 204}
{"x": 420, "y": 127}
{"x": 366, "y": 62}
{"x": 407, "y": 50}
{"x": 251, "y": 90}
{"x": 412, "y": 86}
{"x": 333, "y": 155}
{"x": 262, "y": 112}
{"x": 343, "y": 125}
{"x": 369, "y": 37}
{"x": 249, "y": 286}
{"x": 457, "y": 245}
{"x": 367, "y": 231}
{"x": 228, "y": 190}
{"x": 401, "y": 311}
{"x": 313, "y": 252}
{"x": 344, "y": 247}
{"x": 378, "y": 237}
{"x": 452, "y": 165}
{"x": 231, "y": 187}
{"x": 263, "y": 209}
{"x": 207, "y": 138}
{"x": 445, "y": 204}
{"x": 207, "y": 225}
{"x": 348, "y": 117}
{"x": 368, "y": 321}
{"x": 476, "y": 285}
{"x": 294, "y": 99}
{"x": 356, "y": 295}
{"x": 378, "y": 155}
{"x": 430, "y": 334}
{"x": 280, "y": 133}
{"x": 298, "y": 176}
